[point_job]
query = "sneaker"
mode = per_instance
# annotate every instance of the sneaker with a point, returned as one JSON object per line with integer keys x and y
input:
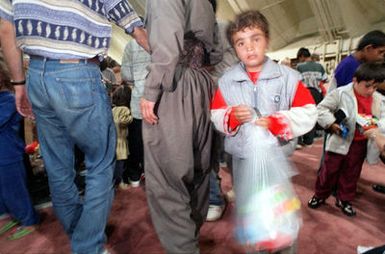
{"x": 363, "y": 249}
{"x": 215, "y": 212}
{"x": 298, "y": 146}
{"x": 21, "y": 232}
{"x": 346, "y": 207}
{"x": 123, "y": 186}
{"x": 315, "y": 202}
{"x": 8, "y": 226}
{"x": 135, "y": 184}
{"x": 230, "y": 195}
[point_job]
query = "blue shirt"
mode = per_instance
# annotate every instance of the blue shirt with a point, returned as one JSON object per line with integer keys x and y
{"x": 67, "y": 29}
{"x": 11, "y": 144}
{"x": 345, "y": 70}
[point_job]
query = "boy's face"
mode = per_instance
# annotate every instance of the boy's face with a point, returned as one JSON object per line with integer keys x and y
{"x": 373, "y": 54}
{"x": 365, "y": 88}
{"x": 250, "y": 44}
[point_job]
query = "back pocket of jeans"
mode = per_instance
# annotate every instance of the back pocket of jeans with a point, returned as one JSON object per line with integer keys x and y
{"x": 78, "y": 93}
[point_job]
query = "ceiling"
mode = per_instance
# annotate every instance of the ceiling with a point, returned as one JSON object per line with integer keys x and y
{"x": 294, "y": 21}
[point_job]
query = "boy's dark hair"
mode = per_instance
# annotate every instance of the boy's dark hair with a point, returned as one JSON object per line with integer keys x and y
{"x": 122, "y": 96}
{"x": 303, "y": 52}
{"x": 375, "y": 38}
{"x": 248, "y": 19}
{"x": 370, "y": 71}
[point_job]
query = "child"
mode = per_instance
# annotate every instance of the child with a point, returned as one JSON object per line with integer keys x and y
{"x": 370, "y": 48}
{"x": 345, "y": 155}
{"x": 286, "y": 107}
{"x": 13, "y": 188}
{"x": 122, "y": 117}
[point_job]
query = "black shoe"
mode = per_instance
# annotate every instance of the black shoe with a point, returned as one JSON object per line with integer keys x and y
{"x": 346, "y": 207}
{"x": 379, "y": 188}
{"x": 315, "y": 202}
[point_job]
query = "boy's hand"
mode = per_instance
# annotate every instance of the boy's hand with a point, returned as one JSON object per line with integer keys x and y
{"x": 242, "y": 113}
{"x": 371, "y": 133}
{"x": 335, "y": 128}
{"x": 263, "y": 122}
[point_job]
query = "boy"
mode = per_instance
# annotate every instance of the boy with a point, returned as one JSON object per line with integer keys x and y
{"x": 345, "y": 155}
{"x": 370, "y": 48}
{"x": 287, "y": 108}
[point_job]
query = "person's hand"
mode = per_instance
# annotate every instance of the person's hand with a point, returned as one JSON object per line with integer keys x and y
{"x": 140, "y": 35}
{"x": 335, "y": 128}
{"x": 371, "y": 133}
{"x": 242, "y": 113}
{"x": 263, "y": 122}
{"x": 379, "y": 138}
{"x": 23, "y": 106}
{"x": 147, "y": 108}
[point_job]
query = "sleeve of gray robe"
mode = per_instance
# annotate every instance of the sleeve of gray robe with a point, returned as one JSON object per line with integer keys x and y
{"x": 167, "y": 22}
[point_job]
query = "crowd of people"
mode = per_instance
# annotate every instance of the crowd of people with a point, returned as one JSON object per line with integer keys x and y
{"x": 201, "y": 81}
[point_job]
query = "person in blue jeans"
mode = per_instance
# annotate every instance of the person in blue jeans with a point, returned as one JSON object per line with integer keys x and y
{"x": 14, "y": 196}
{"x": 69, "y": 101}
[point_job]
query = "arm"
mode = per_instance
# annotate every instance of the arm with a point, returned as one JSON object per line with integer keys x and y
{"x": 140, "y": 35}
{"x": 13, "y": 58}
{"x": 296, "y": 121}
{"x": 166, "y": 30}
{"x": 122, "y": 14}
{"x": 228, "y": 119}
{"x": 167, "y": 25}
{"x": 326, "y": 109}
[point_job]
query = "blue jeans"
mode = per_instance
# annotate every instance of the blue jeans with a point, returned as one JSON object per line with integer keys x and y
{"x": 215, "y": 197}
{"x": 72, "y": 108}
{"x": 14, "y": 195}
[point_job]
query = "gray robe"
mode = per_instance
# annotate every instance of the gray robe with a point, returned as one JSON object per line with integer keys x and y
{"x": 177, "y": 149}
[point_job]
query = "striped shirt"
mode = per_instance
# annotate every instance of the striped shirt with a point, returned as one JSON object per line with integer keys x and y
{"x": 67, "y": 29}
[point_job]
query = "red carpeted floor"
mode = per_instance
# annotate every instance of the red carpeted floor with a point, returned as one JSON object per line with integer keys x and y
{"x": 325, "y": 230}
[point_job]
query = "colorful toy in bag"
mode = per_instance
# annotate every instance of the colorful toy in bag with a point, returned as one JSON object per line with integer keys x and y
{"x": 267, "y": 208}
{"x": 366, "y": 122}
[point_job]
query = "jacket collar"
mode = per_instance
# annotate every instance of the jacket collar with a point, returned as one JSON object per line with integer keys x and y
{"x": 270, "y": 70}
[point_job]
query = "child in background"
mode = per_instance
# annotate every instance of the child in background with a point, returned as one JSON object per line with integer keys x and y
{"x": 285, "y": 106}
{"x": 13, "y": 187}
{"x": 122, "y": 118}
{"x": 370, "y": 48}
{"x": 345, "y": 155}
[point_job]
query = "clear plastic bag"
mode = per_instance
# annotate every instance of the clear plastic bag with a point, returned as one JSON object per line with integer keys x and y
{"x": 267, "y": 208}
